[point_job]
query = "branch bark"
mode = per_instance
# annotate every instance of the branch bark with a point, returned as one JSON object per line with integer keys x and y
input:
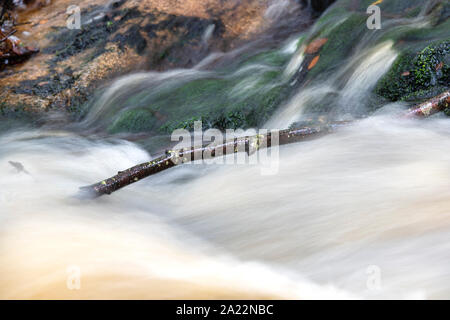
{"x": 431, "y": 106}
{"x": 175, "y": 157}
{"x": 245, "y": 144}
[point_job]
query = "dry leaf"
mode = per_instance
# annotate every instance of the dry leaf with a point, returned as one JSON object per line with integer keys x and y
{"x": 315, "y": 45}
{"x": 313, "y": 62}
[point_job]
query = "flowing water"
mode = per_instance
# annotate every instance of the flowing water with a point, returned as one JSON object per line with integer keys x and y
{"x": 362, "y": 213}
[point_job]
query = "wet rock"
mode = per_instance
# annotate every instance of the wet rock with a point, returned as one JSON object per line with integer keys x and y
{"x": 117, "y": 37}
{"x": 318, "y": 6}
{"x": 418, "y": 76}
{"x": 217, "y": 102}
{"x": 422, "y": 69}
{"x": 321, "y": 5}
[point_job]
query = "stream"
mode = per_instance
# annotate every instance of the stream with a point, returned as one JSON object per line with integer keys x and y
{"x": 361, "y": 213}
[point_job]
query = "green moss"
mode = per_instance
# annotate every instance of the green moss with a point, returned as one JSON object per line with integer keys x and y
{"x": 187, "y": 124}
{"x": 425, "y": 66}
{"x": 270, "y": 58}
{"x": 339, "y": 47}
{"x": 393, "y": 85}
{"x": 242, "y": 100}
{"x": 135, "y": 120}
{"x": 417, "y": 75}
{"x": 249, "y": 112}
{"x": 329, "y": 19}
{"x": 414, "y": 12}
{"x": 424, "y": 94}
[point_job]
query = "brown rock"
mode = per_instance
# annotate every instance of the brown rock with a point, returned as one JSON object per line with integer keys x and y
{"x": 240, "y": 21}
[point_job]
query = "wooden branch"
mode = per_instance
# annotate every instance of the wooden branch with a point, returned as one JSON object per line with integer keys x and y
{"x": 245, "y": 144}
{"x": 8, "y": 35}
{"x": 431, "y": 106}
{"x": 175, "y": 157}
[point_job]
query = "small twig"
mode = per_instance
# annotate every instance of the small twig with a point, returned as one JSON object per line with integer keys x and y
{"x": 22, "y": 23}
{"x": 8, "y": 35}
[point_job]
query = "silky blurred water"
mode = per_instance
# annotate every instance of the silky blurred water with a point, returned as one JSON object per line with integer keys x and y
{"x": 361, "y": 213}
{"x": 376, "y": 193}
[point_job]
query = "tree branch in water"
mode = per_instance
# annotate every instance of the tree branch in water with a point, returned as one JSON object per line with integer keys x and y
{"x": 245, "y": 144}
{"x": 431, "y": 106}
{"x": 175, "y": 157}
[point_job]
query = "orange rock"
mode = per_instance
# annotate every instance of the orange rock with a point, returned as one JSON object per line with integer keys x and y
{"x": 313, "y": 62}
{"x": 315, "y": 45}
{"x": 405, "y": 74}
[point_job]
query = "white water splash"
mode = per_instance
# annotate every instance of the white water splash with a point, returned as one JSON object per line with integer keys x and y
{"x": 372, "y": 194}
{"x": 110, "y": 100}
{"x": 125, "y": 245}
{"x": 374, "y": 65}
{"x": 375, "y": 194}
{"x": 365, "y": 70}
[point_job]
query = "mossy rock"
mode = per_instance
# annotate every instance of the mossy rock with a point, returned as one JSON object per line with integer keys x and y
{"x": 271, "y": 58}
{"x": 250, "y": 112}
{"x": 211, "y": 100}
{"x": 231, "y": 99}
{"x": 338, "y": 47}
{"x": 134, "y": 120}
{"x": 417, "y": 75}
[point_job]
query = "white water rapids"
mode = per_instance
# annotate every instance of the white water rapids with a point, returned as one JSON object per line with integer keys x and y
{"x": 362, "y": 213}
{"x": 375, "y": 194}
